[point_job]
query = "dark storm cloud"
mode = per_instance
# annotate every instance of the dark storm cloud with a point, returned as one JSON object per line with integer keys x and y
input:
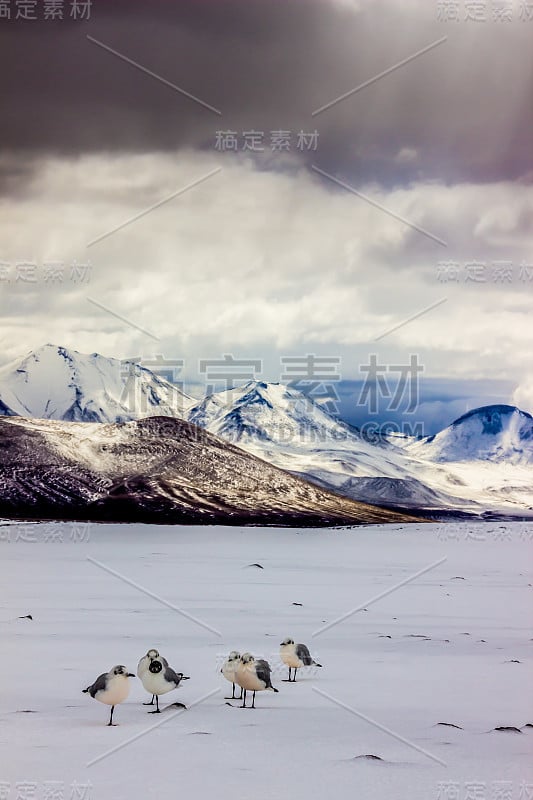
{"x": 440, "y": 402}
{"x": 462, "y": 111}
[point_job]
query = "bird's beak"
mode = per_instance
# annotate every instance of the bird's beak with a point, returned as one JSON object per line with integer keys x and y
{"x": 130, "y": 675}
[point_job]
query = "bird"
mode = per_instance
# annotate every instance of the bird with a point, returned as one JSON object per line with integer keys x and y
{"x": 143, "y": 665}
{"x": 159, "y": 679}
{"x": 111, "y": 688}
{"x": 295, "y": 656}
{"x": 228, "y": 670}
{"x": 253, "y": 676}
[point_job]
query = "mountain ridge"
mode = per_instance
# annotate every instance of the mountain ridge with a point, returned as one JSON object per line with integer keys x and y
{"x": 481, "y": 461}
{"x": 158, "y": 469}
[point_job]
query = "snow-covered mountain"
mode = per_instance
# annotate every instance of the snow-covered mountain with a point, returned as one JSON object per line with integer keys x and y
{"x": 268, "y": 412}
{"x": 497, "y": 433}
{"x": 286, "y": 428}
{"x": 481, "y": 462}
{"x": 156, "y": 470}
{"x": 289, "y": 429}
{"x": 55, "y": 383}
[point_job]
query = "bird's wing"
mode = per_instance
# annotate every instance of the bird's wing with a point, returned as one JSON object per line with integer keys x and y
{"x": 304, "y": 655}
{"x": 262, "y": 670}
{"x": 171, "y": 676}
{"x": 140, "y": 665}
{"x": 99, "y": 685}
{"x": 164, "y": 661}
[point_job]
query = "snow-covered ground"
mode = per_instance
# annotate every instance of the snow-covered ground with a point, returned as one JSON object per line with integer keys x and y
{"x": 450, "y": 646}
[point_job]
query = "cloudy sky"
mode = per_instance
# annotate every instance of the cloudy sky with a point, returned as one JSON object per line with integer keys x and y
{"x": 403, "y": 226}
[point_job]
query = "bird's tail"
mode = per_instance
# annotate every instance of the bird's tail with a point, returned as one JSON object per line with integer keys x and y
{"x": 273, "y": 689}
{"x": 86, "y": 690}
{"x": 316, "y": 664}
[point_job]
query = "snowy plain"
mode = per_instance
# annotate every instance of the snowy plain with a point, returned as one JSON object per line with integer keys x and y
{"x": 452, "y": 645}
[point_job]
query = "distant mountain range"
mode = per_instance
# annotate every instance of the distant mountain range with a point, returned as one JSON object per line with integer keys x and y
{"x": 482, "y": 462}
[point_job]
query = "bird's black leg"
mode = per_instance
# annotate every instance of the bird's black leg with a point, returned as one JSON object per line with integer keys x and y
{"x": 240, "y": 696}
{"x": 244, "y": 700}
{"x": 157, "y": 711}
{"x": 232, "y": 693}
{"x": 285, "y": 680}
{"x": 253, "y": 700}
{"x": 151, "y": 701}
{"x": 111, "y": 723}
{"x": 294, "y": 678}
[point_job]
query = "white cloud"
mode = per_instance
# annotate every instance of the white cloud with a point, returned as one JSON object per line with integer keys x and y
{"x": 262, "y": 259}
{"x": 407, "y": 155}
{"x": 523, "y": 395}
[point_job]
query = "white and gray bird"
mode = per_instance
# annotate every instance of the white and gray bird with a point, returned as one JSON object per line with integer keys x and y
{"x": 159, "y": 679}
{"x": 295, "y": 656}
{"x": 253, "y": 676}
{"x": 111, "y": 688}
{"x": 228, "y": 671}
{"x": 143, "y": 665}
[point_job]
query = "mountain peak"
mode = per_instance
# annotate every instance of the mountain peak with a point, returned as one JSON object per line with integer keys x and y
{"x": 54, "y": 382}
{"x": 265, "y": 412}
{"x": 491, "y": 433}
{"x": 491, "y": 416}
